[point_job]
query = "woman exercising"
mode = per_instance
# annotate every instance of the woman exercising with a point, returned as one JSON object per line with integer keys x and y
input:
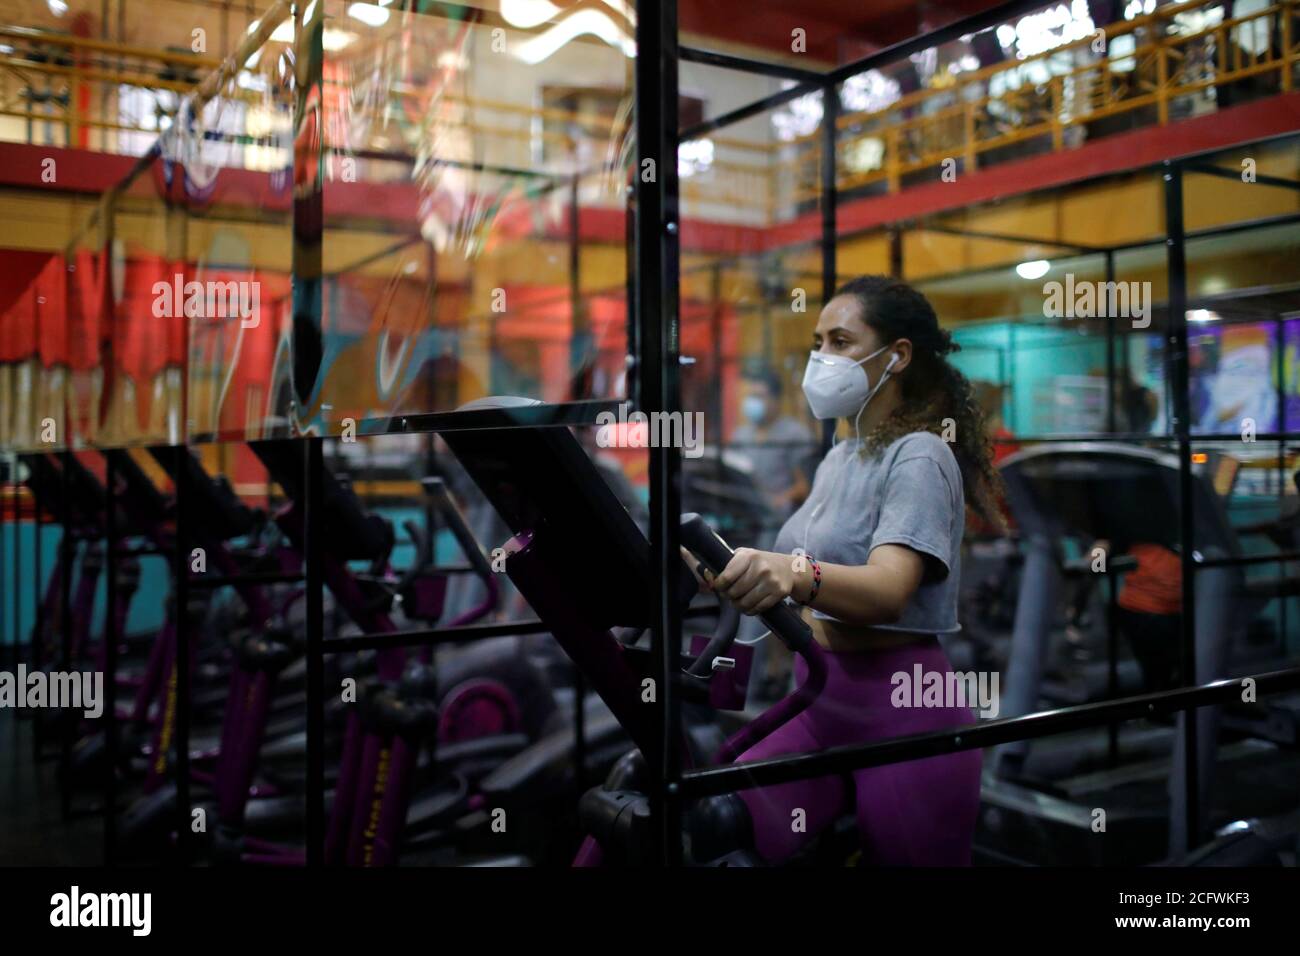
{"x": 873, "y": 555}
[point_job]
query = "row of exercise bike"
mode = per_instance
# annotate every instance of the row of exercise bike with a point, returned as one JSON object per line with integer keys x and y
{"x": 444, "y": 750}
{"x": 439, "y": 749}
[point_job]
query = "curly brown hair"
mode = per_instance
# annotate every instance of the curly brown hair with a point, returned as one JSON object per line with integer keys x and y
{"x": 936, "y": 397}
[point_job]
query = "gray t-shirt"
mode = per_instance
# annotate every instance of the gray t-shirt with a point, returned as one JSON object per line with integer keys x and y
{"x": 908, "y": 494}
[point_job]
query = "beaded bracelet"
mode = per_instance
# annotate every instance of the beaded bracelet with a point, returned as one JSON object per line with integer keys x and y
{"x": 816, "y": 582}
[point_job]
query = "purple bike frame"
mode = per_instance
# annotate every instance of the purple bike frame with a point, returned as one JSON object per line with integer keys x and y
{"x": 601, "y": 659}
{"x": 372, "y": 792}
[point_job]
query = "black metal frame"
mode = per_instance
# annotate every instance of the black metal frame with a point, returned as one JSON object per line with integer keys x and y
{"x": 844, "y": 759}
{"x": 654, "y": 385}
{"x": 654, "y": 359}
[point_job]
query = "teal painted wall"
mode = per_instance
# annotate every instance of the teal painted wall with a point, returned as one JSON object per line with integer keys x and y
{"x": 1030, "y": 358}
{"x": 146, "y": 613}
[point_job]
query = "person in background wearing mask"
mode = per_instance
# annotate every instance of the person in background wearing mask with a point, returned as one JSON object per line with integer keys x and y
{"x": 775, "y": 444}
{"x": 877, "y": 573}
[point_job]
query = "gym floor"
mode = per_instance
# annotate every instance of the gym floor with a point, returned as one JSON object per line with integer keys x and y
{"x": 31, "y": 807}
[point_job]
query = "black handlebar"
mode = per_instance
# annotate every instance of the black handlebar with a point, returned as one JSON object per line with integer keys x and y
{"x": 783, "y": 620}
{"x": 785, "y": 623}
{"x": 420, "y": 540}
{"x": 720, "y": 643}
{"x": 450, "y": 513}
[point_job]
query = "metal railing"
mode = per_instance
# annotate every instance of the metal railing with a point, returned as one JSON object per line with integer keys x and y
{"x": 1166, "y": 74}
{"x": 966, "y": 120}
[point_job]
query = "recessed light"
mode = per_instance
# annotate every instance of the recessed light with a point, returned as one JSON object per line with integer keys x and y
{"x": 1033, "y": 269}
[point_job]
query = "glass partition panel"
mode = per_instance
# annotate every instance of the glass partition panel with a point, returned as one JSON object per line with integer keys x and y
{"x": 153, "y": 317}
{"x": 471, "y": 190}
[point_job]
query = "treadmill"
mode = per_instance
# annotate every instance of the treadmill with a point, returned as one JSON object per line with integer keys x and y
{"x": 1124, "y": 494}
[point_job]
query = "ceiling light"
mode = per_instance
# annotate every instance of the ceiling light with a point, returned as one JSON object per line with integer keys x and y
{"x": 1033, "y": 269}
{"x": 334, "y": 40}
{"x": 369, "y": 15}
{"x": 526, "y": 14}
{"x": 538, "y": 48}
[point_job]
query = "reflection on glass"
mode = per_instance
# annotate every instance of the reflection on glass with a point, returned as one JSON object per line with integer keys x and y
{"x": 472, "y": 188}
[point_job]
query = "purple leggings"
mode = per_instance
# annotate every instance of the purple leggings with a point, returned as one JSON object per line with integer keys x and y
{"x": 917, "y": 813}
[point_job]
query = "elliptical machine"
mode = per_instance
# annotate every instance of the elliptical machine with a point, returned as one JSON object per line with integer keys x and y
{"x": 582, "y": 564}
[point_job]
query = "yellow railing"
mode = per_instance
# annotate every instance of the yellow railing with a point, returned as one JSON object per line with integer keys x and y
{"x": 1163, "y": 70}
{"x": 68, "y": 64}
{"x": 1163, "y": 76}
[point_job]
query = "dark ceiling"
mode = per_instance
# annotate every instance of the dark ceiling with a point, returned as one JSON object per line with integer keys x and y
{"x": 837, "y": 31}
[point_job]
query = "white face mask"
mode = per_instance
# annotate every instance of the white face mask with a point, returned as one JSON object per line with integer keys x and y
{"x": 837, "y": 387}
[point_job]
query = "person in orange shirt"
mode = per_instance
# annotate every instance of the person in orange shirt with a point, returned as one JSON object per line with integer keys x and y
{"x": 1149, "y": 610}
{"x": 1149, "y": 614}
